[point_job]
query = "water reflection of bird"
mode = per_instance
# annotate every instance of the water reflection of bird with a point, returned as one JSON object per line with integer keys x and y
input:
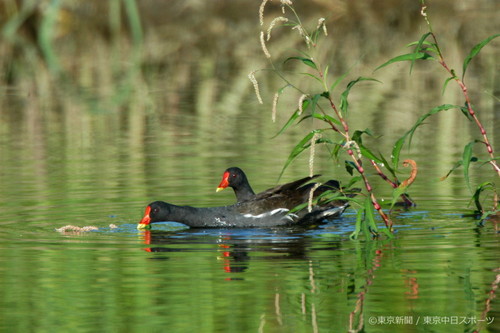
{"x": 234, "y": 251}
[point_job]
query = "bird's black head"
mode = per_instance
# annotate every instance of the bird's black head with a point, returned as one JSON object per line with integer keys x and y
{"x": 157, "y": 211}
{"x": 233, "y": 177}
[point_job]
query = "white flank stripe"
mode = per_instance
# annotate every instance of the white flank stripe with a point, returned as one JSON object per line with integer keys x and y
{"x": 271, "y": 213}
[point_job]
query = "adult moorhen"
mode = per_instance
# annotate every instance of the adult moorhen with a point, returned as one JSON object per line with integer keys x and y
{"x": 235, "y": 177}
{"x": 270, "y": 208}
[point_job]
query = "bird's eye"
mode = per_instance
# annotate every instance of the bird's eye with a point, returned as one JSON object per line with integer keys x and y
{"x": 156, "y": 210}
{"x": 234, "y": 175}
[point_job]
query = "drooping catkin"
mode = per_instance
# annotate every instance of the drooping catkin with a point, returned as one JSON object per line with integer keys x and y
{"x": 312, "y": 153}
{"x": 273, "y": 24}
{"x": 275, "y": 106}
{"x": 261, "y": 11}
{"x": 321, "y": 24}
{"x": 303, "y": 34}
{"x": 301, "y": 101}
{"x": 311, "y": 196}
{"x": 252, "y": 78}
{"x": 263, "y": 45}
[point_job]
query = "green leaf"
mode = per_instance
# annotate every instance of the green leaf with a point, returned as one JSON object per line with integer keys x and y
{"x": 396, "y": 150}
{"x": 295, "y": 115}
{"x": 368, "y": 154}
{"x": 325, "y": 74}
{"x": 337, "y": 149}
{"x": 466, "y": 113}
{"x": 306, "y": 61}
{"x": 325, "y": 140}
{"x": 420, "y": 120}
{"x": 353, "y": 181}
{"x": 475, "y": 50}
{"x": 314, "y": 101}
{"x": 396, "y": 193}
{"x": 314, "y": 77}
{"x": 323, "y": 198}
{"x": 339, "y": 79}
{"x": 446, "y": 83}
{"x": 299, "y": 148}
{"x": 343, "y": 97}
{"x": 418, "y": 48}
{"x": 357, "y": 135}
{"x": 429, "y": 46}
{"x": 466, "y": 157}
{"x": 326, "y": 118}
{"x": 388, "y": 166}
{"x": 280, "y": 91}
{"x": 456, "y": 166}
{"x": 406, "y": 57}
{"x": 289, "y": 123}
{"x": 326, "y": 95}
{"x": 350, "y": 167}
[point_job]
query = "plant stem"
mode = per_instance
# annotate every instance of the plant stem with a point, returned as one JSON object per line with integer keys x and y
{"x": 376, "y": 205}
{"x": 463, "y": 87}
{"x": 471, "y": 111}
{"x": 407, "y": 201}
{"x": 359, "y": 167}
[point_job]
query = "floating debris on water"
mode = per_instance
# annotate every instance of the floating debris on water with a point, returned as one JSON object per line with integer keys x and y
{"x": 74, "y": 228}
{"x": 77, "y": 229}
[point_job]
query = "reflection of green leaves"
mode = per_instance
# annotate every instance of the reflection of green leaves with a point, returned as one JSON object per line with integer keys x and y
{"x": 466, "y": 159}
{"x": 365, "y": 221}
{"x": 359, "y": 224}
{"x": 370, "y": 216}
{"x": 475, "y": 50}
{"x": 475, "y": 197}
